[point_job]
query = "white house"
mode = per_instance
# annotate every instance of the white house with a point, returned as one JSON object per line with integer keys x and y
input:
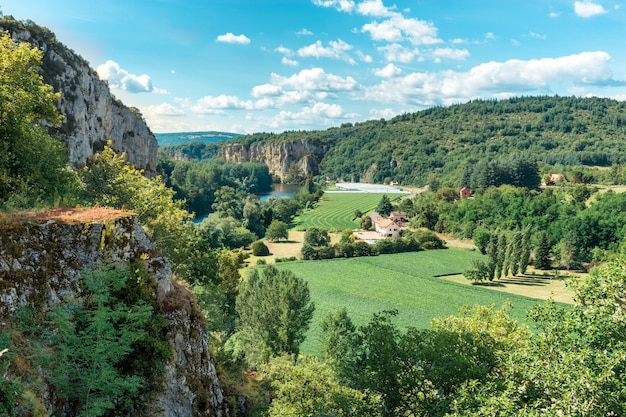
{"x": 386, "y": 227}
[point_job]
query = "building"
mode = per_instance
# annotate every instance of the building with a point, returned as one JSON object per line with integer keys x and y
{"x": 465, "y": 192}
{"x": 386, "y": 227}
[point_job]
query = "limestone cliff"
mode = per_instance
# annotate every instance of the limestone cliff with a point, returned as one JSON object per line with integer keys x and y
{"x": 41, "y": 257}
{"x": 278, "y": 156}
{"x": 92, "y": 115}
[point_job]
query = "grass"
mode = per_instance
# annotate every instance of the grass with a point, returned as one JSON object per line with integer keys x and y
{"x": 336, "y": 210}
{"x": 406, "y": 282}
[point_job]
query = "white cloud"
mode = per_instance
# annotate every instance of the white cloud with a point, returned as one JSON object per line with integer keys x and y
{"x": 289, "y": 62}
{"x": 554, "y": 14}
{"x": 388, "y": 71}
{"x": 304, "y": 32}
{"x": 315, "y": 79}
{"x": 398, "y": 53}
{"x": 538, "y": 36}
{"x": 121, "y": 79}
{"x": 373, "y": 8}
{"x": 398, "y": 28}
{"x": 335, "y": 50}
{"x": 217, "y": 105}
{"x": 266, "y": 90}
{"x": 231, "y": 38}
{"x": 494, "y": 79}
{"x": 450, "y": 53}
{"x": 587, "y": 8}
{"x": 341, "y": 5}
{"x": 284, "y": 51}
{"x": 163, "y": 109}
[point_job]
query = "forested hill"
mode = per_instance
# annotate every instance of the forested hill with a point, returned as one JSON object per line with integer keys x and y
{"x": 445, "y": 141}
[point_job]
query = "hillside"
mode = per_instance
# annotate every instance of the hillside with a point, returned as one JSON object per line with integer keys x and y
{"x": 444, "y": 141}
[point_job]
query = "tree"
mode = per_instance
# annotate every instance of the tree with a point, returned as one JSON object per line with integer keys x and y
{"x": 311, "y": 388}
{"x": 481, "y": 239}
{"x": 33, "y": 167}
{"x": 478, "y": 271}
{"x": 542, "y": 252}
{"x": 340, "y": 344}
{"x": 275, "y": 310}
{"x": 384, "y": 206}
{"x": 260, "y": 249}
{"x": 277, "y": 230}
{"x": 316, "y": 237}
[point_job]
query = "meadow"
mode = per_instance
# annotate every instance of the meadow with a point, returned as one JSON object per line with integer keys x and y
{"x": 407, "y": 282}
{"x": 335, "y": 210}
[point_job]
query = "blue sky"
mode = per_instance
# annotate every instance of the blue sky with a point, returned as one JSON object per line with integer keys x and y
{"x": 268, "y": 66}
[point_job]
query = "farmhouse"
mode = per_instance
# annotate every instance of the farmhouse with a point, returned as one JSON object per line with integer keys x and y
{"x": 398, "y": 217}
{"x": 386, "y": 227}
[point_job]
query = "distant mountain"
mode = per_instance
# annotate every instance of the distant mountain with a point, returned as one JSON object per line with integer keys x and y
{"x": 184, "y": 138}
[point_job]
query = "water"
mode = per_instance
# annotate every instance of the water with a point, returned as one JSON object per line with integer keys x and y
{"x": 280, "y": 191}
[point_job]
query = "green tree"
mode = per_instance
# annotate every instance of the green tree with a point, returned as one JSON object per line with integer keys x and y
{"x": 110, "y": 181}
{"x": 481, "y": 239}
{"x": 340, "y": 344}
{"x": 310, "y": 388}
{"x": 275, "y": 310}
{"x": 316, "y": 237}
{"x": 384, "y": 206}
{"x": 33, "y": 167}
{"x": 542, "y": 252}
{"x": 478, "y": 271}
{"x": 277, "y": 230}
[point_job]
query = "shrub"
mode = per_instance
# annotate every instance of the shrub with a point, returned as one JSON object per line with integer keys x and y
{"x": 260, "y": 249}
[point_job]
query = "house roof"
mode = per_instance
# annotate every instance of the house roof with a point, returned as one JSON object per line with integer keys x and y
{"x": 383, "y": 222}
{"x": 398, "y": 213}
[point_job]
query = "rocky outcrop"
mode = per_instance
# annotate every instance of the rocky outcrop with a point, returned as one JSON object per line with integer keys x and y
{"x": 278, "y": 156}
{"x": 41, "y": 258}
{"x": 92, "y": 115}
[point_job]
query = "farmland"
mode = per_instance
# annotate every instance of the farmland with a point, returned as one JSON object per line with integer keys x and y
{"x": 406, "y": 282}
{"x": 336, "y": 210}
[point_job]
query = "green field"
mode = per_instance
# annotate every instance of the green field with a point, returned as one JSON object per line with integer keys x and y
{"x": 405, "y": 282}
{"x": 336, "y": 210}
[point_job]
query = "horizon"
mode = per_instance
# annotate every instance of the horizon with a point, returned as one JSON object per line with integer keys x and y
{"x": 243, "y": 66}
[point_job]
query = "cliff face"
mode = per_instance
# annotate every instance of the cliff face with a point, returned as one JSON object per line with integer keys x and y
{"x": 279, "y": 157}
{"x": 92, "y": 116}
{"x": 41, "y": 258}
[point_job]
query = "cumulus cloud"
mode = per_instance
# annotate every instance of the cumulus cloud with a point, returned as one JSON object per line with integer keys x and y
{"x": 398, "y": 53}
{"x": 587, "y": 8}
{"x": 341, "y": 5}
{"x": 164, "y": 109}
{"x": 450, "y": 53}
{"x": 231, "y": 38}
{"x": 373, "y": 8}
{"x": 304, "y": 32}
{"x": 335, "y": 50}
{"x": 217, "y": 105}
{"x": 289, "y": 62}
{"x": 388, "y": 72}
{"x": 121, "y": 79}
{"x": 495, "y": 79}
{"x": 398, "y": 28}
{"x": 315, "y": 79}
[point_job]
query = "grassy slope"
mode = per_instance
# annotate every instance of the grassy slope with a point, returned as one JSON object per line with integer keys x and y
{"x": 336, "y": 210}
{"x": 404, "y": 281}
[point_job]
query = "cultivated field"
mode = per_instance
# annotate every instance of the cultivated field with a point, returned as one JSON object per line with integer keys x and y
{"x": 406, "y": 282}
{"x": 336, "y": 210}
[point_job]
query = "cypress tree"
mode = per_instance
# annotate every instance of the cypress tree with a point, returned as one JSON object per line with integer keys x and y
{"x": 542, "y": 252}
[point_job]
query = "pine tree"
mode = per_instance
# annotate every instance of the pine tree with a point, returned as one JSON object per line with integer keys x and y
{"x": 501, "y": 256}
{"x": 492, "y": 254}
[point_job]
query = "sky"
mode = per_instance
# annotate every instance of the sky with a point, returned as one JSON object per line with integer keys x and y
{"x": 248, "y": 66}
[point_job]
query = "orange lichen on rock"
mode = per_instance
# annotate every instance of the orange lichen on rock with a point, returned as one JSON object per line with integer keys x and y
{"x": 69, "y": 214}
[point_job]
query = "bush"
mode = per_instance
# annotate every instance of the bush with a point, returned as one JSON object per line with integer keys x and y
{"x": 260, "y": 249}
